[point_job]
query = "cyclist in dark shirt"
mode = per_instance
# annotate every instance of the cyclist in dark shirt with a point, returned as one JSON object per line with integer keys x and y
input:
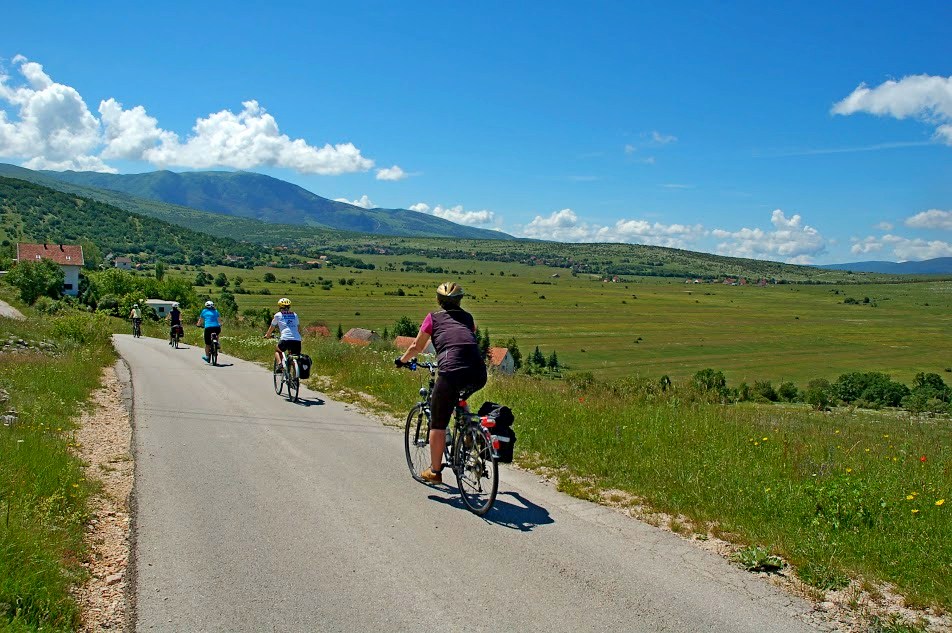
{"x": 461, "y": 366}
{"x": 175, "y": 323}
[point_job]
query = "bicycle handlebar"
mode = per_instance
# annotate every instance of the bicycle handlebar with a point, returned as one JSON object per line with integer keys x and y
{"x": 413, "y": 363}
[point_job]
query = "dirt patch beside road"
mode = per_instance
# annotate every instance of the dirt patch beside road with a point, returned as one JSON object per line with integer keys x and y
{"x": 104, "y": 442}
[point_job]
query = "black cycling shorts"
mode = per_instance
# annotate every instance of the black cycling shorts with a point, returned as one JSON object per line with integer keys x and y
{"x": 447, "y": 390}
{"x": 209, "y": 331}
{"x": 290, "y": 347}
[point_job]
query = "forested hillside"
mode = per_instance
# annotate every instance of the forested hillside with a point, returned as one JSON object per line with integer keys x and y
{"x": 30, "y": 212}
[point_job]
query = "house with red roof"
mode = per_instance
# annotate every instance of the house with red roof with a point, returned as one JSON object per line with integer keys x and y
{"x": 68, "y": 256}
{"x": 360, "y": 337}
{"x": 403, "y": 343}
{"x": 501, "y": 360}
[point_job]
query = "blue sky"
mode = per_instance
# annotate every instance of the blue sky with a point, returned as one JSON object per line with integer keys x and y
{"x": 783, "y": 131}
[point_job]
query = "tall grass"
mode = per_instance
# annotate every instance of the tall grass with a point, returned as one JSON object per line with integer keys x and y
{"x": 43, "y": 492}
{"x": 847, "y": 493}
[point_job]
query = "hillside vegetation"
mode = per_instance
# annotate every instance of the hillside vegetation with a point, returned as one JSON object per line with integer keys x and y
{"x": 32, "y": 213}
{"x": 260, "y": 197}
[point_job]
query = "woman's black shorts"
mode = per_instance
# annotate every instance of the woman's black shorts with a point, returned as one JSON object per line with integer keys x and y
{"x": 209, "y": 331}
{"x": 290, "y": 347}
{"x": 446, "y": 393}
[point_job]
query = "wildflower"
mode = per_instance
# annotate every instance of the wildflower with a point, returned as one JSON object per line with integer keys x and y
{"x": 910, "y": 497}
{"x": 940, "y": 502}
{"x": 837, "y": 431}
{"x": 581, "y": 399}
{"x": 765, "y": 439}
{"x": 75, "y": 485}
{"x": 766, "y": 489}
{"x": 867, "y": 450}
{"x": 849, "y": 470}
{"x": 922, "y": 459}
{"x": 756, "y": 443}
{"x": 915, "y": 512}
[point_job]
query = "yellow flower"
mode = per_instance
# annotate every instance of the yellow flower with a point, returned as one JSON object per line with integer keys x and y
{"x": 849, "y": 470}
{"x": 768, "y": 490}
{"x": 886, "y": 436}
{"x": 915, "y": 512}
{"x": 910, "y": 497}
{"x": 756, "y": 443}
{"x": 837, "y": 431}
{"x": 765, "y": 439}
{"x": 940, "y": 502}
{"x": 75, "y": 485}
{"x": 867, "y": 450}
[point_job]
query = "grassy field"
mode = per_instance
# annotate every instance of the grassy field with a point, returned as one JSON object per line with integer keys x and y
{"x": 43, "y": 492}
{"x": 648, "y": 326}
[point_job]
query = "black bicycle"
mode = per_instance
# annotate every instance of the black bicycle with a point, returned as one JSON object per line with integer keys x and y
{"x": 175, "y": 335}
{"x": 471, "y": 452}
{"x": 288, "y": 373}
{"x": 214, "y": 348}
{"x": 136, "y": 328}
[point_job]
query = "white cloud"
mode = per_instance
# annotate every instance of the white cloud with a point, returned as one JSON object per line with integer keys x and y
{"x": 672, "y": 185}
{"x": 53, "y": 128}
{"x": 884, "y": 226}
{"x": 663, "y": 139}
{"x": 931, "y": 219}
{"x": 790, "y": 241}
{"x": 903, "y": 248}
{"x": 630, "y": 149}
{"x": 457, "y": 214}
{"x": 391, "y": 173}
{"x": 923, "y": 97}
{"x": 364, "y": 202}
{"x": 565, "y": 226}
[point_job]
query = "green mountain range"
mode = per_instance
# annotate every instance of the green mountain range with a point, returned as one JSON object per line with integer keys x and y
{"x": 259, "y": 197}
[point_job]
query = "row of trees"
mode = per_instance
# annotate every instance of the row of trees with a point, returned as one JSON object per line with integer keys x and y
{"x": 874, "y": 390}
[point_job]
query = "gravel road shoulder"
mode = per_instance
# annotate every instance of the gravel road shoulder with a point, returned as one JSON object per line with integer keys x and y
{"x": 104, "y": 442}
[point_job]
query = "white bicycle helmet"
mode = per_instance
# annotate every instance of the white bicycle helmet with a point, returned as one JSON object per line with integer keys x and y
{"x": 209, "y": 304}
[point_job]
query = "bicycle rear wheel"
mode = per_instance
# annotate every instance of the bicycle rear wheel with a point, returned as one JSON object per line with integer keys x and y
{"x": 294, "y": 380}
{"x": 213, "y": 355}
{"x": 278, "y": 375}
{"x": 477, "y": 473}
{"x": 417, "y": 437}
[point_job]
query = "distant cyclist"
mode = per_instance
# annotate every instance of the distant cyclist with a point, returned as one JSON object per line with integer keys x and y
{"x": 461, "y": 366}
{"x": 287, "y": 324}
{"x": 136, "y": 315}
{"x": 211, "y": 320}
{"x": 175, "y": 323}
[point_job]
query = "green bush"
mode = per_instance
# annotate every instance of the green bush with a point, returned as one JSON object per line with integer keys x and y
{"x": 42, "y": 278}
{"x": 763, "y": 390}
{"x": 819, "y": 394}
{"x": 788, "y": 392}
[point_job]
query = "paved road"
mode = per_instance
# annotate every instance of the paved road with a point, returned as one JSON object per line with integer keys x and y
{"x": 256, "y": 514}
{"x": 7, "y": 310}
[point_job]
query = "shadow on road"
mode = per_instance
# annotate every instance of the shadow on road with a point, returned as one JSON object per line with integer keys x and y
{"x": 524, "y": 515}
{"x": 309, "y": 402}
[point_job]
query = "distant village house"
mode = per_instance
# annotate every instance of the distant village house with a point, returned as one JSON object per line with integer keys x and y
{"x": 403, "y": 343}
{"x": 122, "y": 263}
{"x": 501, "y": 360}
{"x": 161, "y": 307}
{"x": 360, "y": 337}
{"x": 68, "y": 256}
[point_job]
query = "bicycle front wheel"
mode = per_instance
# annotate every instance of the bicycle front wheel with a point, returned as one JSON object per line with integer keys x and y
{"x": 294, "y": 380}
{"x": 278, "y": 375}
{"x": 417, "y": 437}
{"x": 477, "y": 473}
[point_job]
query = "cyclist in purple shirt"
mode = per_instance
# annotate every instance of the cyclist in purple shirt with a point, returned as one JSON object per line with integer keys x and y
{"x": 461, "y": 366}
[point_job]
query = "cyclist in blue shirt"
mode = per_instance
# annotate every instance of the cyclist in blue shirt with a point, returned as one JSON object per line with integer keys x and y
{"x": 211, "y": 320}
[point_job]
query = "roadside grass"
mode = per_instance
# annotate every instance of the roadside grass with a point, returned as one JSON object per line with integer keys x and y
{"x": 43, "y": 492}
{"x": 859, "y": 494}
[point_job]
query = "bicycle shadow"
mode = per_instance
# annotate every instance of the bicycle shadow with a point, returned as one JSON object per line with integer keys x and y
{"x": 524, "y": 516}
{"x": 309, "y": 402}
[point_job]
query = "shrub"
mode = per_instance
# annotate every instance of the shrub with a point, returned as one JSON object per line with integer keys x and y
{"x": 710, "y": 381}
{"x": 819, "y": 394}
{"x": 43, "y": 278}
{"x": 81, "y": 328}
{"x": 788, "y": 392}
{"x": 763, "y": 390}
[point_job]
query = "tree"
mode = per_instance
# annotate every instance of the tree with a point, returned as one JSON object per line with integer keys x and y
{"x": 159, "y": 270}
{"x": 42, "y": 278}
{"x": 484, "y": 344}
{"x": 553, "y": 361}
{"x": 537, "y": 358}
{"x": 340, "y": 332}
{"x": 221, "y": 280}
{"x": 202, "y": 278}
{"x": 227, "y": 304}
{"x": 92, "y": 256}
{"x": 819, "y": 393}
{"x": 514, "y": 352}
{"x": 269, "y": 278}
{"x": 404, "y": 327}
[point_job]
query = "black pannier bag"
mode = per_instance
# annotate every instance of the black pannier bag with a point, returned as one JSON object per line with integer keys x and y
{"x": 304, "y": 366}
{"x": 501, "y": 420}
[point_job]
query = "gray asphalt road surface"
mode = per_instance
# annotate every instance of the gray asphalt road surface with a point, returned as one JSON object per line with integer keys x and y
{"x": 257, "y": 514}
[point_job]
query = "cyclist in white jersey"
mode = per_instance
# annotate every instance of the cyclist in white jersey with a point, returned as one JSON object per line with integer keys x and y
{"x": 287, "y": 324}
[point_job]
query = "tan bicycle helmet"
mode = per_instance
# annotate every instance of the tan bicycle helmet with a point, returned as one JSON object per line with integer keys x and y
{"x": 449, "y": 294}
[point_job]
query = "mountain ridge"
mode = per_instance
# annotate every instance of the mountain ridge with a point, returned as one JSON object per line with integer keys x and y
{"x": 934, "y": 266}
{"x": 261, "y": 197}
